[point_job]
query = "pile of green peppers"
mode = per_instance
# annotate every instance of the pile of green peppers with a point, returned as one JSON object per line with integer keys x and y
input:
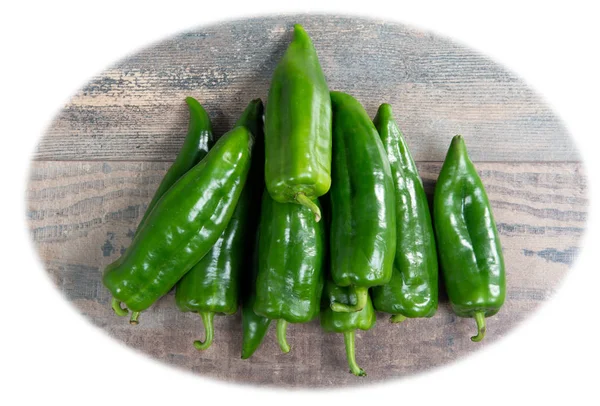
{"x": 307, "y": 209}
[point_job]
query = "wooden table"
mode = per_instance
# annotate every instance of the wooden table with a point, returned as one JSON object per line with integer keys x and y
{"x": 101, "y": 159}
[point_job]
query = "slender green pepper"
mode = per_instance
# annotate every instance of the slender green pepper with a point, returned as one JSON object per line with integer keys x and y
{"x": 298, "y": 127}
{"x": 212, "y": 285}
{"x": 290, "y": 278}
{"x": 183, "y": 226}
{"x": 413, "y": 289}
{"x": 363, "y": 238}
{"x": 346, "y": 323}
{"x": 198, "y": 141}
{"x": 254, "y": 326}
{"x": 468, "y": 242}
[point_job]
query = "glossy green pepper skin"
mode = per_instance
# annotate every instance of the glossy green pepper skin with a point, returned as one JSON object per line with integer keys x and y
{"x": 183, "y": 226}
{"x": 468, "y": 243}
{"x": 254, "y": 326}
{"x": 346, "y": 322}
{"x": 212, "y": 286}
{"x": 198, "y": 141}
{"x": 363, "y": 238}
{"x": 291, "y": 253}
{"x": 413, "y": 289}
{"x": 298, "y": 127}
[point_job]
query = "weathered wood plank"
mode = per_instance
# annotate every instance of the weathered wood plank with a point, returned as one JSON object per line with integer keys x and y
{"x": 135, "y": 110}
{"x": 82, "y": 215}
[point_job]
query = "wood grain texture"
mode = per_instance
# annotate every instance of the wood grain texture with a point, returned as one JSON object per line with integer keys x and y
{"x": 82, "y": 215}
{"x": 97, "y": 167}
{"x": 135, "y": 110}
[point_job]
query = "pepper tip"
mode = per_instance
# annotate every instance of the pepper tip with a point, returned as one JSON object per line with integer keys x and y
{"x": 190, "y": 100}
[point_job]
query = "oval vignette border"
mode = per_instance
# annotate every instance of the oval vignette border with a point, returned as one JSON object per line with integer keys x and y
{"x": 101, "y": 159}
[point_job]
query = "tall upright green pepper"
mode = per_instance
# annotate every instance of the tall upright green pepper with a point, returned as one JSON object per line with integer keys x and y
{"x": 212, "y": 286}
{"x": 183, "y": 226}
{"x": 290, "y": 277}
{"x": 344, "y": 322}
{"x": 468, "y": 242}
{"x": 413, "y": 289}
{"x": 298, "y": 127}
{"x": 198, "y": 141}
{"x": 363, "y": 215}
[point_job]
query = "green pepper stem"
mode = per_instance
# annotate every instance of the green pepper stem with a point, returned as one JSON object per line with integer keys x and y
{"x": 134, "y": 318}
{"x": 362, "y": 294}
{"x": 281, "y": 335}
{"x": 209, "y": 330}
{"x": 305, "y": 201}
{"x": 397, "y": 318}
{"x": 480, "y": 319}
{"x": 116, "y": 305}
{"x": 350, "y": 354}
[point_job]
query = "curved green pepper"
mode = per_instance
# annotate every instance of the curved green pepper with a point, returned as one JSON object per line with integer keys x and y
{"x": 213, "y": 284}
{"x": 198, "y": 141}
{"x": 346, "y": 323}
{"x": 254, "y": 326}
{"x": 363, "y": 240}
{"x": 183, "y": 226}
{"x": 298, "y": 127}
{"x": 290, "y": 278}
{"x": 413, "y": 289}
{"x": 468, "y": 242}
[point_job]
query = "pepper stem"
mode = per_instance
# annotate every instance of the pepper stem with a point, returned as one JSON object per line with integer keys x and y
{"x": 281, "y": 335}
{"x": 480, "y": 319}
{"x": 305, "y": 201}
{"x": 350, "y": 354}
{"x": 134, "y": 318}
{"x": 362, "y": 294}
{"x": 397, "y": 318}
{"x": 209, "y": 330}
{"x": 116, "y": 305}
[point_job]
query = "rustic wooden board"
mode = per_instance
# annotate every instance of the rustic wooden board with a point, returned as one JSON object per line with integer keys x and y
{"x": 103, "y": 156}
{"x": 135, "y": 110}
{"x": 82, "y": 215}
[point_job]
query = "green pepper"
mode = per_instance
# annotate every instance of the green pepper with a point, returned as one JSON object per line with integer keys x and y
{"x": 289, "y": 282}
{"x": 363, "y": 236}
{"x": 346, "y": 323}
{"x": 468, "y": 243}
{"x": 254, "y": 326}
{"x": 413, "y": 289}
{"x": 198, "y": 141}
{"x": 298, "y": 127}
{"x": 183, "y": 226}
{"x": 212, "y": 286}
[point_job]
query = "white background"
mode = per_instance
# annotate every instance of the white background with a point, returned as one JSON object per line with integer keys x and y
{"x": 51, "y": 353}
